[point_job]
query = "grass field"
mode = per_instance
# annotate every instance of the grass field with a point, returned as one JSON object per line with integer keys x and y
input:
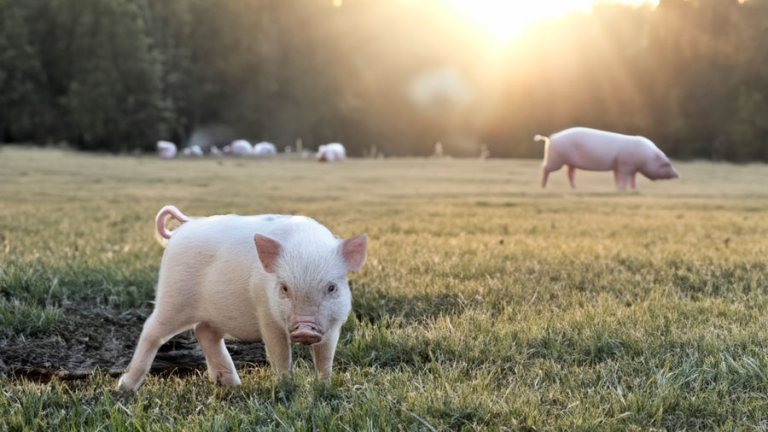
{"x": 486, "y": 303}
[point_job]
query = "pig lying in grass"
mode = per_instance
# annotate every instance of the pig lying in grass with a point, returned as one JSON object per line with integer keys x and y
{"x": 194, "y": 150}
{"x": 333, "y": 152}
{"x": 240, "y": 148}
{"x": 274, "y": 278}
{"x": 595, "y": 150}
{"x": 264, "y": 149}
{"x": 166, "y": 150}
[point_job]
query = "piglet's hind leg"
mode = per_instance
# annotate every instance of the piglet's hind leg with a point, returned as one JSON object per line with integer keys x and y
{"x": 155, "y": 333}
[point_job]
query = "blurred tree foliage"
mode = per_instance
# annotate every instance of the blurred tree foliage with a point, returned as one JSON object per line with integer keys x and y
{"x": 118, "y": 75}
{"x": 22, "y": 108}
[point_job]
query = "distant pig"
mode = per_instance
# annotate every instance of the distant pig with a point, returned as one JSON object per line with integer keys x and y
{"x": 332, "y": 152}
{"x": 264, "y": 149}
{"x": 274, "y": 278}
{"x": 241, "y": 147}
{"x": 596, "y": 150}
{"x": 194, "y": 150}
{"x": 166, "y": 150}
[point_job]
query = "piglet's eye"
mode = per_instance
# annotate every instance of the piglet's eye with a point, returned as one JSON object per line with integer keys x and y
{"x": 284, "y": 288}
{"x": 331, "y": 288}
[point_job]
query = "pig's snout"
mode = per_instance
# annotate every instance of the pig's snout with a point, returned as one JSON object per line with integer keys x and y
{"x": 306, "y": 332}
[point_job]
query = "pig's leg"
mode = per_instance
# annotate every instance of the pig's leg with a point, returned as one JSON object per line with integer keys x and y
{"x": 632, "y": 183}
{"x": 220, "y": 365}
{"x": 571, "y": 174}
{"x": 155, "y": 333}
{"x": 324, "y": 352}
{"x": 551, "y": 164}
{"x": 278, "y": 347}
{"x": 622, "y": 179}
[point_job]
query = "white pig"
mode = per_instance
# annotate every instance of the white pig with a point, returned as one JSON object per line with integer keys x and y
{"x": 166, "y": 150}
{"x": 596, "y": 150}
{"x": 194, "y": 150}
{"x": 241, "y": 148}
{"x": 274, "y": 278}
{"x": 264, "y": 149}
{"x": 332, "y": 152}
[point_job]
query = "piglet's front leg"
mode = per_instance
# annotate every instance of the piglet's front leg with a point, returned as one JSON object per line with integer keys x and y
{"x": 324, "y": 352}
{"x": 278, "y": 349}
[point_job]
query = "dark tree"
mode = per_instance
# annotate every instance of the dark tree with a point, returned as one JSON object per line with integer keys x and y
{"x": 118, "y": 75}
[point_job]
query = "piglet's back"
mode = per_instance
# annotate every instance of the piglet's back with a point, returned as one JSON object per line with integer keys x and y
{"x": 202, "y": 242}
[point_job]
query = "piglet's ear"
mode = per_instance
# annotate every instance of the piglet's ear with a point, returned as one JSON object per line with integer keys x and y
{"x": 353, "y": 252}
{"x": 269, "y": 249}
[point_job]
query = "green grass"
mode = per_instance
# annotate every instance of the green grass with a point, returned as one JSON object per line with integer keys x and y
{"x": 485, "y": 304}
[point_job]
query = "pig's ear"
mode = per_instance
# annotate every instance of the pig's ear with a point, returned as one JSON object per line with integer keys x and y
{"x": 353, "y": 252}
{"x": 268, "y": 249}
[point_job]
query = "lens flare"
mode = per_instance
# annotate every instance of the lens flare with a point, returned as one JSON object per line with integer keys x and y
{"x": 505, "y": 19}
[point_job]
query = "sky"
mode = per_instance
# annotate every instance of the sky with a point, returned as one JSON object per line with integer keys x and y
{"x": 504, "y": 19}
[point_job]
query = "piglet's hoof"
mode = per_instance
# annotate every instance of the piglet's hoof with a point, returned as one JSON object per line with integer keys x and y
{"x": 126, "y": 386}
{"x": 227, "y": 379}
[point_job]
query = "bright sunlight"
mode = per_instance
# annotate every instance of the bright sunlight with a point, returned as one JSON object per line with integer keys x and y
{"x": 505, "y": 19}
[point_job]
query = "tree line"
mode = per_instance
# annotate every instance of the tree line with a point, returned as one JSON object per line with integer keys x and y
{"x": 117, "y": 75}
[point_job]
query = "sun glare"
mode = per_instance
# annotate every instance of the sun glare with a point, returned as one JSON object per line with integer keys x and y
{"x": 504, "y": 19}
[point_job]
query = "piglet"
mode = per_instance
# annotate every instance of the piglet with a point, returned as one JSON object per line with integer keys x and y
{"x": 272, "y": 278}
{"x": 596, "y": 150}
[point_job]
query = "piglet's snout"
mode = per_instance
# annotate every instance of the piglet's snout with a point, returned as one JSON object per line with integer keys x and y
{"x": 306, "y": 332}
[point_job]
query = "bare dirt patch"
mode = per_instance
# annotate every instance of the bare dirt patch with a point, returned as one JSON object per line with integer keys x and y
{"x": 105, "y": 340}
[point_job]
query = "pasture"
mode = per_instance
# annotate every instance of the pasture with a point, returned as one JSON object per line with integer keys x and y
{"x": 486, "y": 302}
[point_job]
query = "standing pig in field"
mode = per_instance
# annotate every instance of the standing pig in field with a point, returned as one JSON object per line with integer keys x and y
{"x": 274, "y": 278}
{"x": 596, "y": 150}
